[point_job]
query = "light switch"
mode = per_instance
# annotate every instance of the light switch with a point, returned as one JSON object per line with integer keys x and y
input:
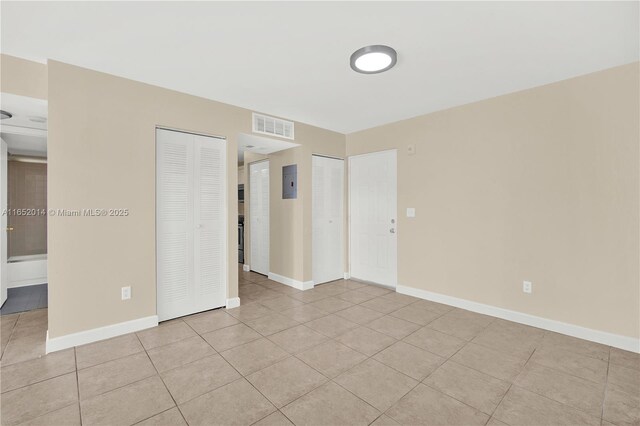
{"x": 411, "y": 212}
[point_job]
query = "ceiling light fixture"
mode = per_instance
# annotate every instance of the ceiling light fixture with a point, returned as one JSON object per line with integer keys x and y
{"x": 373, "y": 59}
{"x": 5, "y": 114}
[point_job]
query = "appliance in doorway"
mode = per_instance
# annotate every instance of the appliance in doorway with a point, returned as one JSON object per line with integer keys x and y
{"x": 241, "y": 239}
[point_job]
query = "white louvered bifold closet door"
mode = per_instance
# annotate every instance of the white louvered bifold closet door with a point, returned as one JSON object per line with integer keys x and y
{"x": 190, "y": 223}
{"x": 327, "y": 219}
{"x": 259, "y": 216}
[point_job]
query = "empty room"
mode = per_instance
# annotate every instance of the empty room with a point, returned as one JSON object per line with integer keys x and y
{"x": 320, "y": 213}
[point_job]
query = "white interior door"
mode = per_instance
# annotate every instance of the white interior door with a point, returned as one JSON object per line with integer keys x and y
{"x": 3, "y": 222}
{"x": 190, "y": 223}
{"x": 327, "y": 213}
{"x": 259, "y": 216}
{"x": 372, "y": 217}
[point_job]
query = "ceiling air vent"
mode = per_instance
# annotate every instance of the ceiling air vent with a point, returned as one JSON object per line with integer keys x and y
{"x": 272, "y": 126}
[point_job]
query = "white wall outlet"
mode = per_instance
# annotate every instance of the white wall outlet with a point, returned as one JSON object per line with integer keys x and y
{"x": 411, "y": 212}
{"x": 527, "y": 286}
{"x": 126, "y": 293}
{"x": 411, "y": 149}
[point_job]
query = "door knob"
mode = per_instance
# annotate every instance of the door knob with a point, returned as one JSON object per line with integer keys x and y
{"x": 392, "y": 230}
{"x": 9, "y": 228}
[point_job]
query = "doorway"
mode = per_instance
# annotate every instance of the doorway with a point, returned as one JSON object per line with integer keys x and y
{"x": 327, "y": 219}
{"x": 191, "y": 223}
{"x": 372, "y": 217}
{"x": 259, "y": 216}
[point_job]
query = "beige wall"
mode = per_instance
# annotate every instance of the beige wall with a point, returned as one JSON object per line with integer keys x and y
{"x": 22, "y": 77}
{"x": 290, "y": 220}
{"x": 539, "y": 185}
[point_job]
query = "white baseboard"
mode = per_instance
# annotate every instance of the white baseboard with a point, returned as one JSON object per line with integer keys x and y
{"x": 347, "y": 275}
{"x": 603, "y": 337}
{"x": 27, "y": 272}
{"x": 100, "y": 333}
{"x": 246, "y": 268}
{"x": 233, "y": 303}
{"x": 300, "y": 285}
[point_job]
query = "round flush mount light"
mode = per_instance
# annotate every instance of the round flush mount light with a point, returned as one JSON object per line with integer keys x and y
{"x": 373, "y": 59}
{"x": 5, "y": 114}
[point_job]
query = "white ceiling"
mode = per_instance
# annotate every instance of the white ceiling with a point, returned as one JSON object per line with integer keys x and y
{"x": 292, "y": 59}
{"x": 260, "y": 145}
{"x": 26, "y": 131}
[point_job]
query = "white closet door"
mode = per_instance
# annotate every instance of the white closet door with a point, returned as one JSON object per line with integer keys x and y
{"x": 259, "y": 216}
{"x": 190, "y": 230}
{"x": 327, "y": 219}
{"x": 372, "y": 217}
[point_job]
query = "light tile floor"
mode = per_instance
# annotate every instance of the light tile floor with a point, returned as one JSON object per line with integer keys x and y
{"x": 343, "y": 353}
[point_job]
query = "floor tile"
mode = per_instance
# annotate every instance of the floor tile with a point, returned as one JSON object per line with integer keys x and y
{"x": 573, "y": 344}
{"x": 330, "y": 289}
{"x": 330, "y": 405}
{"x": 353, "y": 285}
{"x": 331, "y": 304}
{"x": 355, "y": 296}
{"x": 572, "y": 363}
{"x": 304, "y": 313}
{"x": 171, "y": 417}
{"x": 624, "y": 378}
{"x": 416, "y": 315}
{"x": 199, "y": 377}
{"x": 249, "y": 311}
{"x": 375, "y": 290}
{"x": 495, "y": 422}
{"x": 435, "y": 342}
{"x": 281, "y": 303}
{"x": 384, "y": 305}
{"x": 621, "y": 408}
{"x": 210, "y": 321}
{"x": 38, "y": 399}
{"x": 331, "y": 358}
{"x": 434, "y": 306}
{"x": 102, "y": 378}
{"x": 230, "y": 337}
{"x": 31, "y": 318}
{"x": 490, "y": 362}
{"x": 625, "y": 358}
{"x": 385, "y": 420}
{"x": 286, "y": 381}
{"x": 23, "y": 348}
{"x": 392, "y": 326}
{"x": 297, "y": 339}
{"x": 165, "y": 334}
{"x": 254, "y": 356}
{"x": 562, "y": 387}
{"x": 425, "y": 406}
{"x": 179, "y": 353}
{"x": 310, "y": 296}
{"x": 107, "y": 350}
{"x": 55, "y": 364}
{"x": 271, "y": 324}
{"x": 67, "y": 416}
{"x": 331, "y": 325}
{"x": 510, "y": 338}
{"x": 365, "y": 340}
{"x": 359, "y": 315}
{"x": 399, "y": 297}
{"x": 127, "y": 405}
{"x": 410, "y": 360}
{"x": 472, "y": 387}
{"x": 521, "y": 407}
{"x": 274, "y": 419}
{"x": 375, "y": 383}
{"x": 462, "y": 327}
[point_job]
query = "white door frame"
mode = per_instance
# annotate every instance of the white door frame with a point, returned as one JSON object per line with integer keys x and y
{"x": 251, "y": 230}
{"x": 394, "y": 284}
{"x": 340, "y": 275}
{"x": 4, "y": 188}
{"x": 225, "y": 197}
